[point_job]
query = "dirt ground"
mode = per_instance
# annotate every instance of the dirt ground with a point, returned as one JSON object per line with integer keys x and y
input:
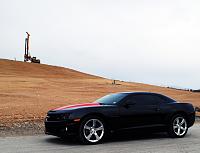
{"x": 28, "y": 90}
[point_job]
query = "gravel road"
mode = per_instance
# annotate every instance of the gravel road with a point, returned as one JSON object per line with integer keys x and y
{"x": 151, "y": 143}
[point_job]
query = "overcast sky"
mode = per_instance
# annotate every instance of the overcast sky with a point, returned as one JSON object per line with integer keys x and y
{"x": 150, "y": 41}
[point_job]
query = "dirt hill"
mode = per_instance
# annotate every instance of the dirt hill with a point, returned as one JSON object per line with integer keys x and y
{"x": 28, "y": 90}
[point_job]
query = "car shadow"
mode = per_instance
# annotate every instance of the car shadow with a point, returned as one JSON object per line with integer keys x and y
{"x": 115, "y": 137}
{"x": 59, "y": 141}
{"x": 136, "y": 136}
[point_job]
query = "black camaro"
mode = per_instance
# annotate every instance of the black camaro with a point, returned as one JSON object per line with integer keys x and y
{"x": 91, "y": 122}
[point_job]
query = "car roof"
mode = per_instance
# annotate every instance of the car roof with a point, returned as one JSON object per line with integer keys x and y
{"x": 138, "y": 92}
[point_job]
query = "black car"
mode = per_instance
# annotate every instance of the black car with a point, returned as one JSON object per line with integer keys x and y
{"x": 92, "y": 122}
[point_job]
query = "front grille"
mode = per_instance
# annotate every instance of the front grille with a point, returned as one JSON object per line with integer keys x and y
{"x": 54, "y": 117}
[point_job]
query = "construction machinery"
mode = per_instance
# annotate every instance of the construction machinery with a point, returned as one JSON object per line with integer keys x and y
{"x": 27, "y": 56}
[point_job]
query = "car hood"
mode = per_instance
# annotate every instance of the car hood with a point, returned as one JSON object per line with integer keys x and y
{"x": 75, "y": 106}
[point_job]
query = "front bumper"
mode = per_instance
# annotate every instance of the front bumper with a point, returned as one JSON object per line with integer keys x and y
{"x": 58, "y": 128}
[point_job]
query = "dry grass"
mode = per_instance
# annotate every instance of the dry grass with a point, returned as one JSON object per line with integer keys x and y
{"x": 28, "y": 91}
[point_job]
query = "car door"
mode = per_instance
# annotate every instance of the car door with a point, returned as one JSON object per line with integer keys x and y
{"x": 139, "y": 110}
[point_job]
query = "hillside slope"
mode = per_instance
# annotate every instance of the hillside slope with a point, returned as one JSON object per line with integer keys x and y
{"x": 28, "y": 90}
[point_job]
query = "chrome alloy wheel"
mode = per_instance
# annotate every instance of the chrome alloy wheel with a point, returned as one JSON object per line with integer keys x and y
{"x": 93, "y": 130}
{"x": 180, "y": 126}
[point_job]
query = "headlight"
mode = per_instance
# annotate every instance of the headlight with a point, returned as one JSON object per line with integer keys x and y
{"x": 57, "y": 117}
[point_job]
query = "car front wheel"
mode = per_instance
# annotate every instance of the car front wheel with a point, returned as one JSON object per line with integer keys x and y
{"x": 92, "y": 130}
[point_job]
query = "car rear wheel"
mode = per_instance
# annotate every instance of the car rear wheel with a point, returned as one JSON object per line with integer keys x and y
{"x": 92, "y": 130}
{"x": 178, "y": 126}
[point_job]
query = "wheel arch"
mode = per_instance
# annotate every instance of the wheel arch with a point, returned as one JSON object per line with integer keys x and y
{"x": 178, "y": 113}
{"x": 102, "y": 116}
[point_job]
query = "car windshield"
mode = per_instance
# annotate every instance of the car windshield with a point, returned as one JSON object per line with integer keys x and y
{"x": 111, "y": 99}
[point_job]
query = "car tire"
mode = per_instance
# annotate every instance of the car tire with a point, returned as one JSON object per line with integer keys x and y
{"x": 92, "y": 130}
{"x": 178, "y": 126}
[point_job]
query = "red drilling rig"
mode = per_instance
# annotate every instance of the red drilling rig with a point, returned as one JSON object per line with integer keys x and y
{"x": 27, "y": 56}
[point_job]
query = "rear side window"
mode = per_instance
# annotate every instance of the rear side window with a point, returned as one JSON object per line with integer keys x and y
{"x": 148, "y": 99}
{"x": 163, "y": 99}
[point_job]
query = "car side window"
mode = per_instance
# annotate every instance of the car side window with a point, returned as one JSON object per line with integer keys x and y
{"x": 142, "y": 99}
{"x": 130, "y": 100}
{"x": 158, "y": 99}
